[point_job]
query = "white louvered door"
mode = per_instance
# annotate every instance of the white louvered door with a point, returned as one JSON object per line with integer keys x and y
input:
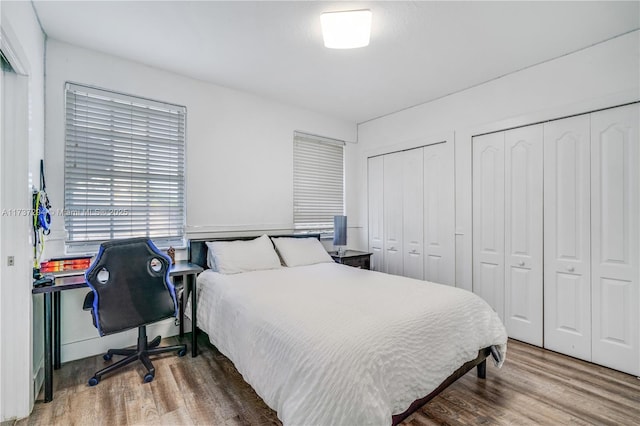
{"x": 567, "y": 242}
{"x": 393, "y": 217}
{"x": 523, "y": 233}
{"x": 615, "y": 238}
{"x": 488, "y": 219}
{"x": 439, "y": 214}
{"x": 376, "y": 211}
{"x": 412, "y": 212}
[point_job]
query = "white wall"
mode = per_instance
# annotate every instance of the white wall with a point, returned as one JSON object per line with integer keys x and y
{"x": 239, "y": 159}
{"x": 21, "y": 31}
{"x": 600, "y": 76}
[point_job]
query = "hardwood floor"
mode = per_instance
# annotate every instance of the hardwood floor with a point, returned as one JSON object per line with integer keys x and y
{"x": 535, "y": 386}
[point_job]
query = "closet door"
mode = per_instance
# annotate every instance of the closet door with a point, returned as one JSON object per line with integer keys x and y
{"x": 615, "y": 237}
{"x": 523, "y": 234}
{"x": 488, "y": 219}
{"x": 567, "y": 242}
{"x": 412, "y": 213}
{"x": 376, "y": 211}
{"x": 392, "y": 219}
{"x": 439, "y": 214}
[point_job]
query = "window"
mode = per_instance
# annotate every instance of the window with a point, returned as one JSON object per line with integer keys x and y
{"x": 318, "y": 181}
{"x": 124, "y": 168}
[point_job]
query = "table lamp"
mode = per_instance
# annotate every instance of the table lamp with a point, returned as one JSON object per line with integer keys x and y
{"x": 340, "y": 233}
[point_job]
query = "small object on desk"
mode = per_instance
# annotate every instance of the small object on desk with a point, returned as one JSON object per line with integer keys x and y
{"x": 172, "y": 254}
{"x": 63, "y": 265}
{"x": 355, "y": 258}
{"x": 44, "y": 281}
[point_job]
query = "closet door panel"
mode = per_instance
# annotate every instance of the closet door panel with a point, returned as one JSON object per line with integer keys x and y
{"x": 523, "y": 233}
{"x": 488, "y": 219}
{"x": 567, "y": 263}
{"x": 615, "y": 193}
{"x": 439, "y": 214}
{"x": 376, "y": 211}
{"x": 412, "y": 211}
{"x": 393, "y": 217}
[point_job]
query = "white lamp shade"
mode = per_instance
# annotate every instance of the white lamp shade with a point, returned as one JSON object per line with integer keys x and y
{"x": 346, "y": 30}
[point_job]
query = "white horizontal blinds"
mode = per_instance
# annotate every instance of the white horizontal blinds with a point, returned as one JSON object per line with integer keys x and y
{"x": 318, "y": 181}
{"x": 124, "y": 168}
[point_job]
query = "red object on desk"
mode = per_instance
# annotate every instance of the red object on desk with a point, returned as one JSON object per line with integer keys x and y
{"x": 65, "y": 264}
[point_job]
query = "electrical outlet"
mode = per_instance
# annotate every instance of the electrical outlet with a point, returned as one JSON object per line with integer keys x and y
{"x": 10, "y": 260}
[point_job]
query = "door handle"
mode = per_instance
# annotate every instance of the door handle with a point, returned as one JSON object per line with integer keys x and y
{"x": 521, "y": 263}
{"x": 570, "y": 268}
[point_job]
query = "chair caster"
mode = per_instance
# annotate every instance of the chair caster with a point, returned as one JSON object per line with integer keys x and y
{"x": 107, "y": 357}
{"x": 93, "y": 381}
{"x": 148, "y": 378}
{"x": 182, "y": 352}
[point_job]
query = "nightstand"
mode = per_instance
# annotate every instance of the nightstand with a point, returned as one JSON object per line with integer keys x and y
{"x": 357, "y": 259}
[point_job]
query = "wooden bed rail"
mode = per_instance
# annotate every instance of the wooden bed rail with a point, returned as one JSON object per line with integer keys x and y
{"x": 480, "y": 362}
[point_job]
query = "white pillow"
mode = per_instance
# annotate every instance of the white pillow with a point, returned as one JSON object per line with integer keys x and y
{"x": 232, "y": 257}
{"x": 211, "y": 261}
{"x": 301, "y": 251}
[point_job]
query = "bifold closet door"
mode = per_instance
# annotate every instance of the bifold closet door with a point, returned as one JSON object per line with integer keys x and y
{"x": 439, "y": 214}
{"x": 615, "y": 238}
{"x": 488, "y": 219}
{"x": 523, "y": 233}
{"x": 412, "y": 209}
{"x": 567, "y": 242}
{"x": 376, "y": 211}
{"x": 393, "y": 217}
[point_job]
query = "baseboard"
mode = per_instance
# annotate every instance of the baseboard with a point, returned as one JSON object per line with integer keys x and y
{"x": 98, "y": 345}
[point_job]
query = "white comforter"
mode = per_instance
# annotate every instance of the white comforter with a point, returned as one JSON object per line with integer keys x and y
{"x": 329, "y": 344}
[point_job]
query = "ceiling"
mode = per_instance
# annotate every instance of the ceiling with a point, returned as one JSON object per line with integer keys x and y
{"x": 419, "y": 51}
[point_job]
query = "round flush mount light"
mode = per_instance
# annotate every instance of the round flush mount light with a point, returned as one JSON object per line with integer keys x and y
{"x": 347, "y": 29}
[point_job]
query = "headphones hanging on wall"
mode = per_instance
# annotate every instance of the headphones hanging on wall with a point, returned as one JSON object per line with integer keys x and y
{"x": 42, "y": 218}
{"x": 41, "y": 206}
{"x": 41, "y": 225}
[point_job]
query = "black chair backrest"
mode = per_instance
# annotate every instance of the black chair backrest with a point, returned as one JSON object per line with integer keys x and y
{"x": 130, "y": 282}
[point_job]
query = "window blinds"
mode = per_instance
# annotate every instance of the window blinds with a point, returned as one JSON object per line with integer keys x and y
{"x": 318, "y": 181}
{"x": 124, "y": 168}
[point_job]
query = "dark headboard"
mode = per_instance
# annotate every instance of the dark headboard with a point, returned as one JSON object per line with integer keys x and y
{"x": 198, "y": 249}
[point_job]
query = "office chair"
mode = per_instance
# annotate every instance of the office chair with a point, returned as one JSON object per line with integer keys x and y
{"x": 130, "y": 288}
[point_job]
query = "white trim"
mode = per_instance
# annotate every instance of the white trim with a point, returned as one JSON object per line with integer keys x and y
{"x": 19, "y": 403}
{"x": 408, "y": 144}
{"x": 12, "y": 50}
{"x": 195, "y": 231}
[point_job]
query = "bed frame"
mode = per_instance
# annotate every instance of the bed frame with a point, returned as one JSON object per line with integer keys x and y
{"x": 198, "y": 254}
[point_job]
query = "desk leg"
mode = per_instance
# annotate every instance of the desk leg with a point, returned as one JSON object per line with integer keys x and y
{"x": 48, "y": 361}
{"x": 56, "y": 330}
{"x": 181, "y": 305}
{"x": 194, "y": 326}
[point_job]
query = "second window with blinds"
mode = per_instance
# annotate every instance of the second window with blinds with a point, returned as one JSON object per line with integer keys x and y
{"x": 318, "y": 181}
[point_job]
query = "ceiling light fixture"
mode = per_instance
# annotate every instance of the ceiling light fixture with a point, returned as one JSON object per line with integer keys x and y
{"x": 347, "y": 29}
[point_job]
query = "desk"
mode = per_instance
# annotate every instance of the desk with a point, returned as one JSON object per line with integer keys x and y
{"x": 187, "y": 271}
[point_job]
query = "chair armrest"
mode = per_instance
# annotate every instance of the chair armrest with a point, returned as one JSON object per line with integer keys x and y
{"x": 88, "y": 301}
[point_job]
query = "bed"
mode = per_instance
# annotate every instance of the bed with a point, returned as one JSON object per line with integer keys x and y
{"x": 328, "y": 344}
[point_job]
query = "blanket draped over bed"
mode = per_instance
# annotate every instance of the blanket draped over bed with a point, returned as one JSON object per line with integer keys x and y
{"x": 329, "y": 344}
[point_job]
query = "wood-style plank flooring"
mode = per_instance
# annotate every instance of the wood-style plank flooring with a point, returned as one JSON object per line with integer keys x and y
{"x": 535, "y": 386}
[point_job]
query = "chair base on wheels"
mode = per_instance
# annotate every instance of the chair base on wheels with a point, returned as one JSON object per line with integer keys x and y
{"x": 142, "y": 353}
